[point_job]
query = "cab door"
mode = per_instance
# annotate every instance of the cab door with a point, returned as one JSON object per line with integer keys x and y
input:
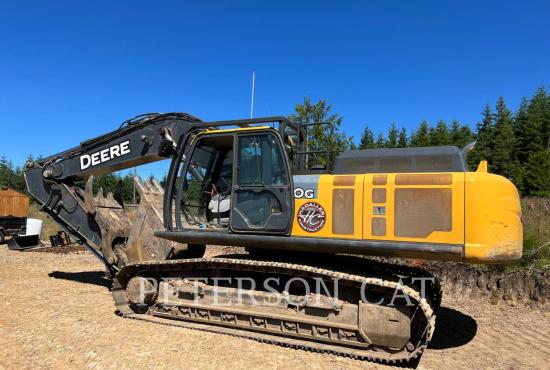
{"x": 262, "y": 185}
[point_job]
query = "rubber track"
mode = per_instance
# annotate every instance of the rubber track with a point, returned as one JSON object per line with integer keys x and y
{"x": 122, "y": 306}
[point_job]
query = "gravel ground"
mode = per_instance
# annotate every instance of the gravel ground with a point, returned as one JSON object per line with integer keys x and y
{"x": 57, "y": 313}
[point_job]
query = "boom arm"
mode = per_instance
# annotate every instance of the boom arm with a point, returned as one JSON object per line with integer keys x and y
{"x": 144, "y": 139}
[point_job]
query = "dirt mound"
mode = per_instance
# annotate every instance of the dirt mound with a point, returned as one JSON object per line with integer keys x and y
{"x": 74, "y": 248}
{"x": 519, "y": 287}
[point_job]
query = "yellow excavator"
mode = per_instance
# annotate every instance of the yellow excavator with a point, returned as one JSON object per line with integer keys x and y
{"x": 307, "y": 219}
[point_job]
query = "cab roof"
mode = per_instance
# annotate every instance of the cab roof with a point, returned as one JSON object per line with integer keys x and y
{"x": 400, "y": 160}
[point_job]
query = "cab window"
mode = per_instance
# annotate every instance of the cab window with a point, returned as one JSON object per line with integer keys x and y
{"x": 260, "y": 162}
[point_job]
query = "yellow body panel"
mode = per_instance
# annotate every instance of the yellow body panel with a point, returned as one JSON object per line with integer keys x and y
{"x": 494, "y": 233}
{"x": 454, "y": 236}
{"x": 484, "y": 214}
{"x": 325, "y": 199}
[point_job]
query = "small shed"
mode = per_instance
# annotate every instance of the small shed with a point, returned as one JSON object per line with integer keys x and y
{"x": 13, "y": 203}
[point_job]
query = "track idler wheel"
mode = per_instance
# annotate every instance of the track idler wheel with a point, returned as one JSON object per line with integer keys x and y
{"x": 141, "y": 291}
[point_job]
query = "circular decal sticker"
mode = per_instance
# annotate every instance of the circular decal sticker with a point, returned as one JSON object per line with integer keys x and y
{"x": 311, "y": 217}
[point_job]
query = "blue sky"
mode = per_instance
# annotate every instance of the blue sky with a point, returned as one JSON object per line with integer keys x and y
{"x": 73, "y": 70}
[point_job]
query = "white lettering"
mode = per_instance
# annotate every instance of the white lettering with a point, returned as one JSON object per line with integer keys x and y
{"x": 241, "y": 291}
{"x": 104, "y": 155}
{"x": 400, "y": 287}
{"x": 223, "y": 293}
{"x": 95, "y": 159}
{"x": 275, "y": 294}
{"x": 301, "y": 193}
{"x": 125, "y": 148}
{"x": 306, "y": 291}
{"x": 364, "y": 295}
{"x": 142, "y": 289}
{"x": 320, "y": 283}
{"x": 423, "y": 284}
{"x": 114, "y": 151}
{"x": 84, "y": 161}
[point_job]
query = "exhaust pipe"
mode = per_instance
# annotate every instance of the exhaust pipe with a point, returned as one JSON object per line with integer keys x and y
{"x": 466, "y": 149}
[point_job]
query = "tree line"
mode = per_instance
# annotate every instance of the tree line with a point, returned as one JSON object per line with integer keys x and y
{"x": 12, "y": 177}
{"x": 515, "y": 144}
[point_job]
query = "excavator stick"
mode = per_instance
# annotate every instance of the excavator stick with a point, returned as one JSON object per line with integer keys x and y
{"x": 112, "y": 220}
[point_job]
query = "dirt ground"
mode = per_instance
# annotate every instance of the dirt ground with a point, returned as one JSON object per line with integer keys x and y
{"x": 57, "y": 312}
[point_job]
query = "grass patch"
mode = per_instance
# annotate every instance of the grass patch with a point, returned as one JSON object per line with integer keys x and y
{"x": 536, "y": 233}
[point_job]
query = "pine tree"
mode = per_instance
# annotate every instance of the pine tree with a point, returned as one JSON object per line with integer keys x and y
{"x": 18, "y": 180}
{"x": 536, "y": 179}
{"x": 538, "y": 113}
{"x": 520, "y": 128}
{"x": 532, "y": 150}
{"x": 11, "y": 177}
{"x": 455, "y": 132}
{"x": 503, "y": 141}
{"x": 421, "y": 137}
{"x": 532, "y": 125}
{"x": 106, "y": 182}
{"x": 128, "y": 189}
{"x": 392, "y": 136}
{"x": 367, "y": 139}
{"x": 380, "y": 141}
{"x": 5, "y": 172}
{"x": 319, "y": 135}
{"x": 466, "y": 136}
{"x": 403, "y": 140}
{"x": 484, "y": 134}
{"x": 460, "y": 134}
{"x": 440, "y": 134}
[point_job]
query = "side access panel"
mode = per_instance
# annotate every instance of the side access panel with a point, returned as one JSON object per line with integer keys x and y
{"x": 427, "y": 208}
{"x": 327, "y": 206}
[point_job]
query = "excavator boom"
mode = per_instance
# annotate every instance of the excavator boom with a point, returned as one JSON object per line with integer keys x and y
{"x": 100, "y": 222}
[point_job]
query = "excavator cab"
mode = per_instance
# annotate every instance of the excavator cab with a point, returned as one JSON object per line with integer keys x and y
{"x": 235, "y": 180}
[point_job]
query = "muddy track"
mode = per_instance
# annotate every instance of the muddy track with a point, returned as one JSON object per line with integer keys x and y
{"x": 57, "y": 312}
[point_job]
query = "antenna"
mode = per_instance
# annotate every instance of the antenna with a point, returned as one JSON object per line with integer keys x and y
{"x": 252, "y": 98}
